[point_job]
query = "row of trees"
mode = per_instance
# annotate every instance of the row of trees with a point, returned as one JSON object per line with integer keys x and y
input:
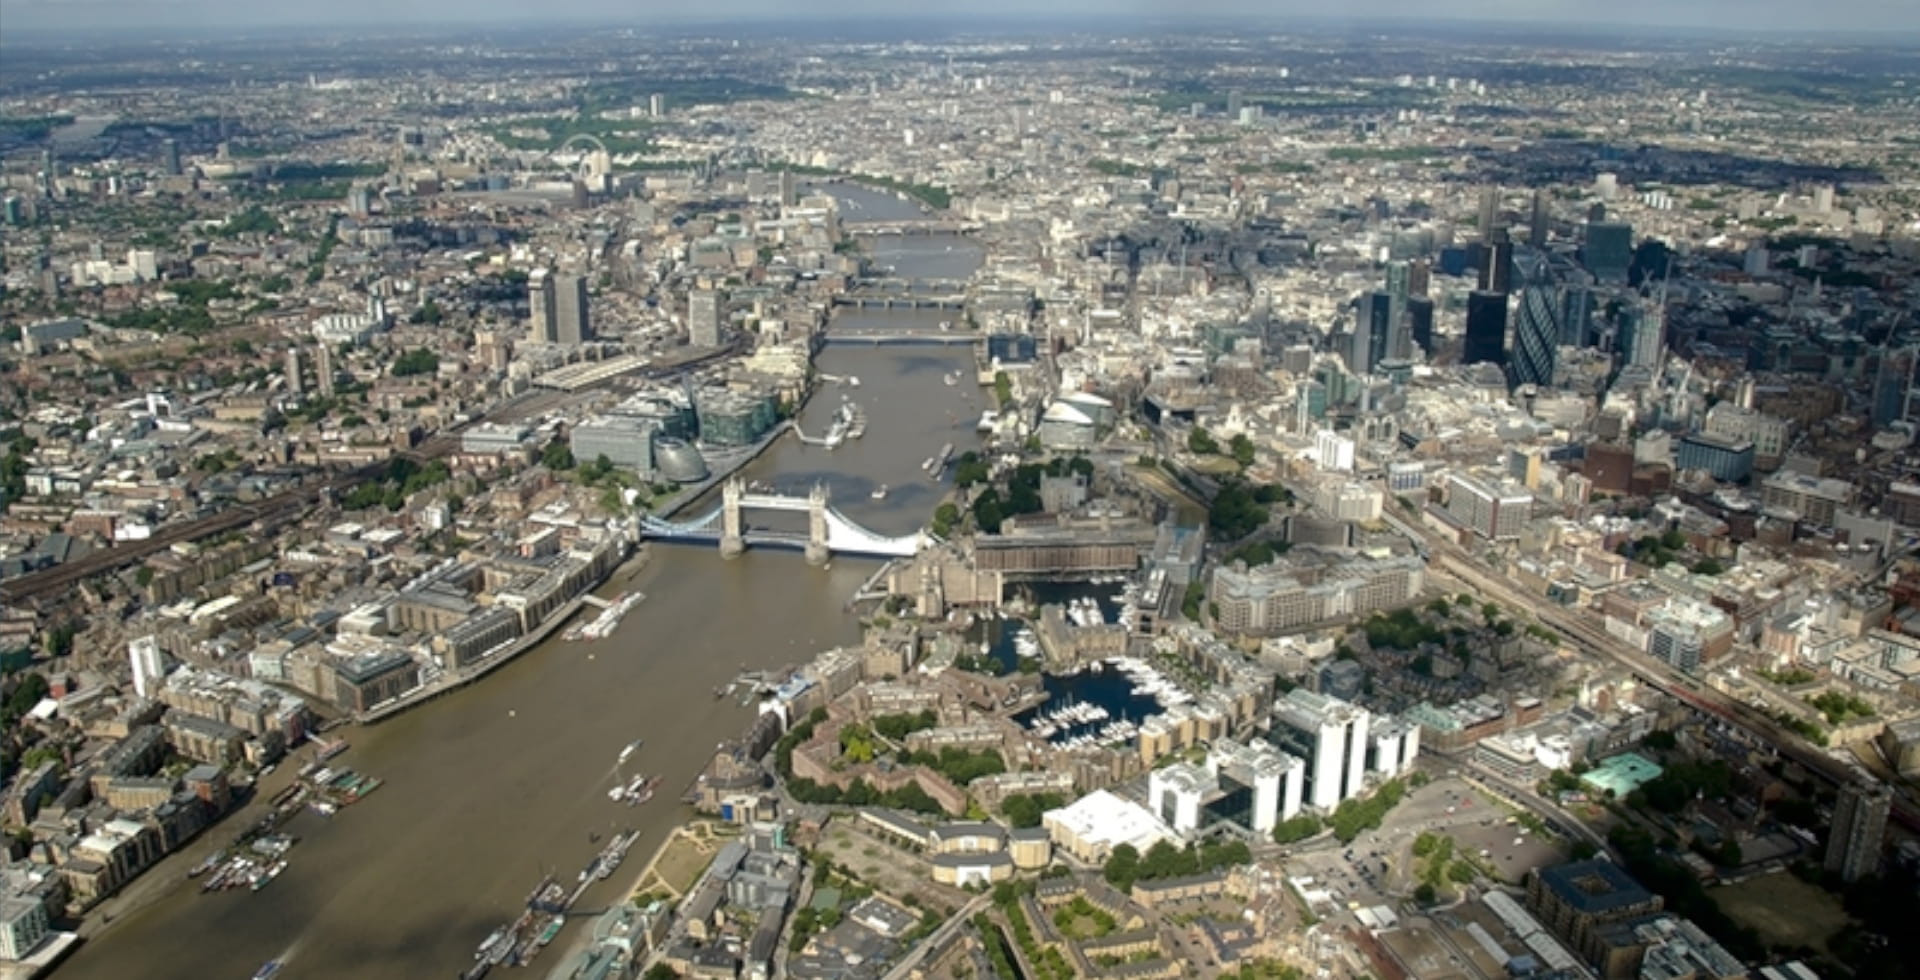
{"x": 1127, "y": 865}
{"x": 1353, "y": 816}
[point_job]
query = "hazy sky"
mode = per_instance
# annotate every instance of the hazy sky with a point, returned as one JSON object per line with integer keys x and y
{"x": 1865, "y": 16}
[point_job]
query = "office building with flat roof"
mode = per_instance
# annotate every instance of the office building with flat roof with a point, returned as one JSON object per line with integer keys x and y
{"x": 1578, "y": 901}
{"x": 626, "y": 441}
{"x": 1331, "y": 736}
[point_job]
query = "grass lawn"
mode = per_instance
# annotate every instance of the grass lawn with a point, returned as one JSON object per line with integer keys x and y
{"x": 1784, "y": 910}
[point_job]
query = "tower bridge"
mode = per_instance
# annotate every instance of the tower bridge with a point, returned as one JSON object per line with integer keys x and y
{"x": 828, "y": 531}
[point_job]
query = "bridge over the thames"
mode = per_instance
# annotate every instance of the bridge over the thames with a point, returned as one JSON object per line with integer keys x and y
{"x": 829, "y": 532}
{"x": 911, "y": 226}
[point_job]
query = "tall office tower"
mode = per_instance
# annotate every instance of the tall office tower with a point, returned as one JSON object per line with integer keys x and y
{"x": 704, "y": 317}
{"x": 1489, "y": 210}
{"x": 48, "y": 174}
{"x": 1859, "y": 824}
{"x": 149, "y": 666}
{"x": 1536, "y": 333}
{"x": 1419, "y": 277}
{"x": 1642, "y": 333}
{"x": 1372, "y": 333}
{"x": 542, "y": 325}
{"x": 1537, "y": 226}
{"x": 572, "y": 324}
{"x": 1399, "y": 290}
{"x": 1496, "y": 264}
{"x": 360, "y": 200}
{"x": 789, "y": 195}
{"x": 1233, "y": 103}
{"x": 1420, "y": 323}
{"x": 170, "y": 157}
{"x": 295, "y": 383}
{"x": 1576, "y": 316}
{"x": 1486, "y": 339}
{"x": 1893, "y": 386}
{"x": 1609, "y": 250}
{"x": 656, "y": 105}
{"x": 323, "y": 370}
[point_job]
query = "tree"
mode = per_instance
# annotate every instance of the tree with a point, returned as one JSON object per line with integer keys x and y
{"x": 988, "y": 511}
{"x": 416, "y": 361}
{"x": 1200, "y": 442}
{"x": 428, "y": 312}
{"x": 1002, "y": 387}
{"x": 661, "y": 971}
{"x": 557, "y": 456}
{"x": 1242, "y": 449}
{"x": 945, "y": 517}
{"x": 1122, "y": 867}
{"x": 1425, "y": 894}
{"x": 1297, "y": 829}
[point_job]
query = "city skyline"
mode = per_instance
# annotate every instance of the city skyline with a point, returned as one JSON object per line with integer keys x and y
{"x": 1882, "y": 20}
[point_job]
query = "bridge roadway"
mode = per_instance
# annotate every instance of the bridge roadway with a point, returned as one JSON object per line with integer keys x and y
{"x": 1451, "y": 560}
{"x": 282, "y": 505}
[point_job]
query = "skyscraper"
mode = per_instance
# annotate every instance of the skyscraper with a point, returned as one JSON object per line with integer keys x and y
{"x": 170, "y": 157}
{"x": 541, "y": 327}
{"x": 1576, "y": 316}
{"x": 1642, "y": 333}
{"x": 1486, "y": 339}
{"x": 1372, "y": 333}
{"x": 1489, "y": 210}
{"x": 1496, "y": 264}
{"x": 1399, "y": 289}
{"x": 1536, "y": 333}
{"x": 704, "y": 317}
{"x": 295, "y": 383}
{"x": 1420, "y": 323}
{"x": 1859, "y": 824}
{"x": 1419, "y": 277}
{"x": 572, "y": 324}
{"x": 1537, "y": 226}
{"x": 1609, "y": 250}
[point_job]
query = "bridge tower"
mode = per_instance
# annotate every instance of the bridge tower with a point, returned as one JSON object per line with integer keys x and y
{"x": 732, "y": 541}
{"x": 817, "y": 552}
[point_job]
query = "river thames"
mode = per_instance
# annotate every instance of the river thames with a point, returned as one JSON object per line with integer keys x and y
{"x": 494, "y": 785}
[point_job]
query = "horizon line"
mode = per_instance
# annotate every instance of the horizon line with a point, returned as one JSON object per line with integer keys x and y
{"x": 1001, "y": 23}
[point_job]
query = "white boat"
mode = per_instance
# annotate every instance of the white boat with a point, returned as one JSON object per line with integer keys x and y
{"x": 627, "y": 753}
{"x": 880, "y": 492}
